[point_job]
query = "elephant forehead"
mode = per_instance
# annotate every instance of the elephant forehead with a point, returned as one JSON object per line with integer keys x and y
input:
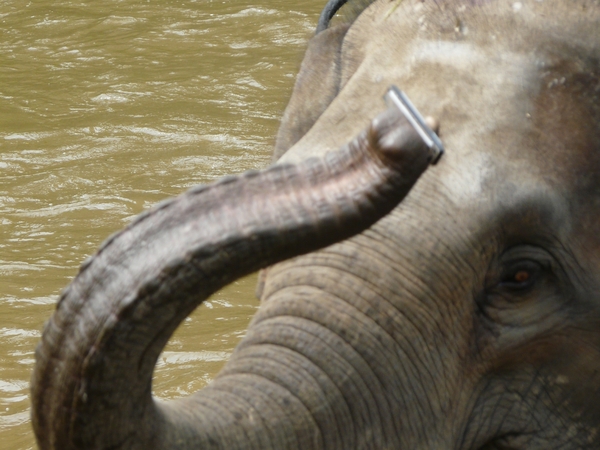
{"x": 515, "y": 101}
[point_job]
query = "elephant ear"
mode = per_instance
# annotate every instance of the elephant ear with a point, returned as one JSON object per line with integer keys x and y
{"x": 317, "y": 84}
{"x": 318, "y": 81}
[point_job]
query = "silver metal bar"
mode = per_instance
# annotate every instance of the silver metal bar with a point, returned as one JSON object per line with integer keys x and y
{"x": 396, "y": 97}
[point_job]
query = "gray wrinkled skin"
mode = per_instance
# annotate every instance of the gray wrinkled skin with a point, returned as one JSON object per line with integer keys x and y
{"x": 468, "y": 318}
{"x": 481, "y": 360}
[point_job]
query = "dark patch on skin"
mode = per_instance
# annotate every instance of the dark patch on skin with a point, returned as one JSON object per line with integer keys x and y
{"x": 567, "y": 113}
{"x": 567, "y": 118}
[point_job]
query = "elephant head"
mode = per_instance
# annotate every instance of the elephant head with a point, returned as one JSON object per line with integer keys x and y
{"x": 467, "y": 318}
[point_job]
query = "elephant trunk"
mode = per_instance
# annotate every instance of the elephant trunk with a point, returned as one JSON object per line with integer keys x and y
{"x": 91, "y": 386}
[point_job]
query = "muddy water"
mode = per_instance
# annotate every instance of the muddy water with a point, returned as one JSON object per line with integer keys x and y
{"x": 105, "y": 109}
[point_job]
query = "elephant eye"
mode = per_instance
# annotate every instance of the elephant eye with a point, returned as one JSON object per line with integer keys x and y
{"x": 520, "y": 275}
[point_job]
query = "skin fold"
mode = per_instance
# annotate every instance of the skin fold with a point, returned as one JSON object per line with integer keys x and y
{"x": 467, "y": 318}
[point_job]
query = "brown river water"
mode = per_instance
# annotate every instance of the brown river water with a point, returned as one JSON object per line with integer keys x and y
{"x": 107, "y": 108}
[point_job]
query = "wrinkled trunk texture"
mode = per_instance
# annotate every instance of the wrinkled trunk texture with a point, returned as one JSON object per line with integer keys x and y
{"x": 91, "y": 388}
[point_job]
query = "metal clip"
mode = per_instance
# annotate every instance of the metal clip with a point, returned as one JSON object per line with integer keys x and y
{"x": 396, "y": 97}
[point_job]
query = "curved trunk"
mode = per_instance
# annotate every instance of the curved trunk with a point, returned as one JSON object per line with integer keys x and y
{"x": 91, "y": 387}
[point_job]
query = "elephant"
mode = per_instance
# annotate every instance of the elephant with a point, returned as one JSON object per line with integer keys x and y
{"x": 402, "y": 307}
